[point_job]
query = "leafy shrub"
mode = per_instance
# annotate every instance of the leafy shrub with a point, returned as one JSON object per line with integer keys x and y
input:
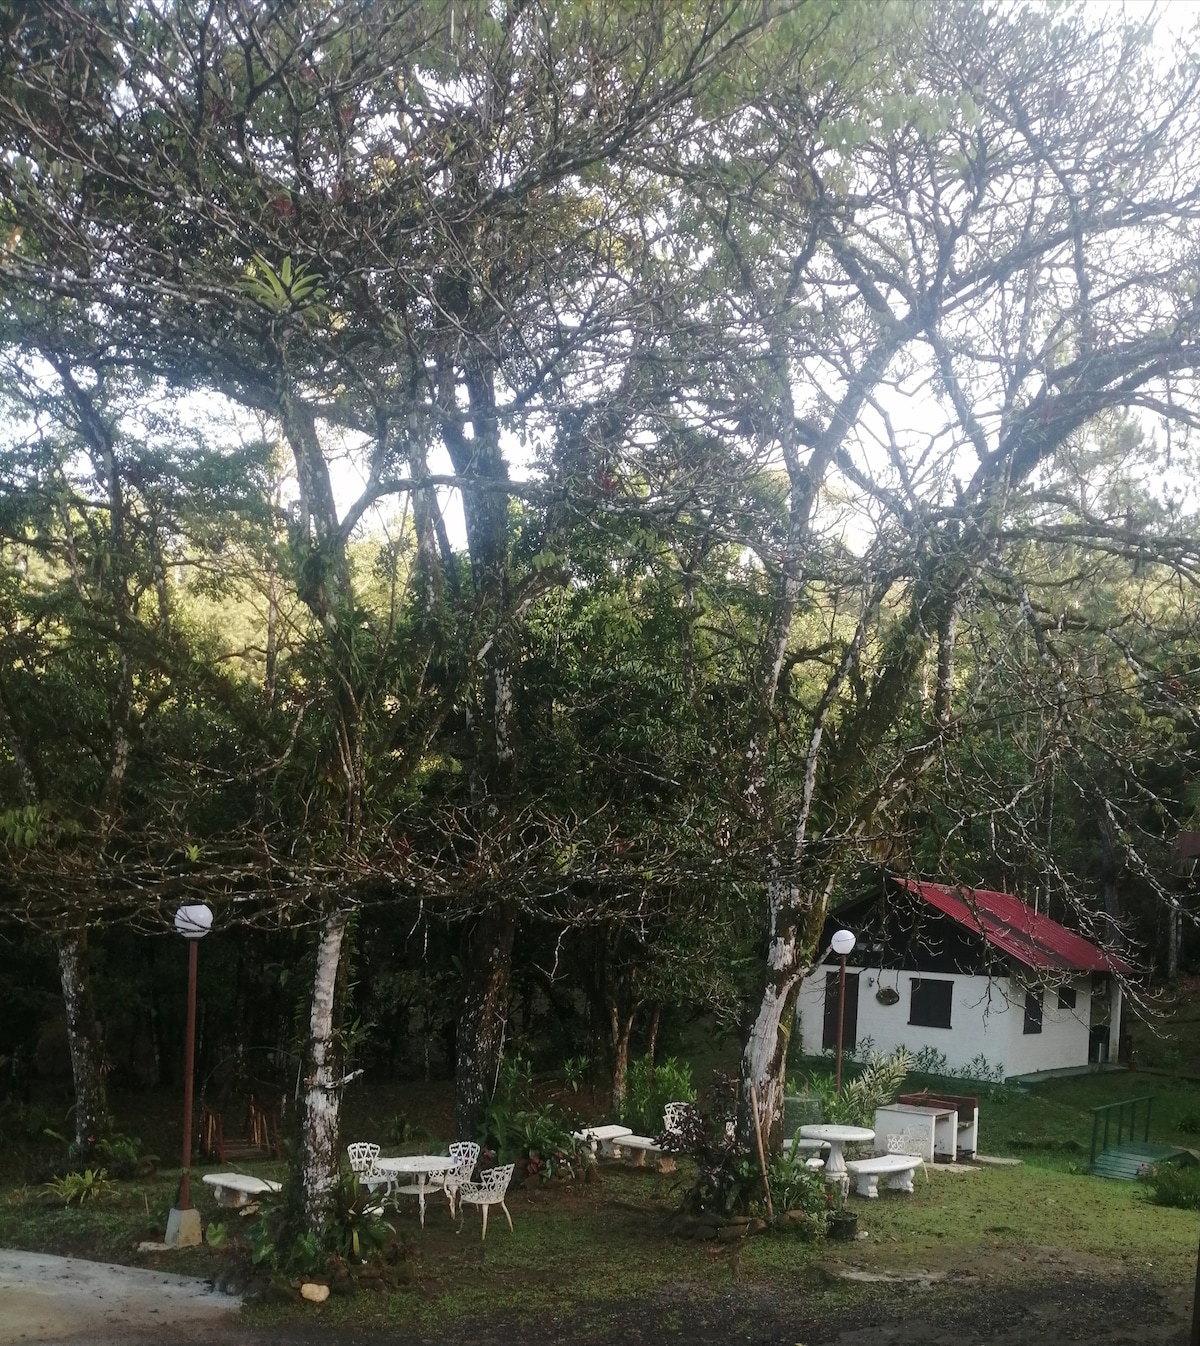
{"x": 90, "y": 1185}
{"x": 514, "y": 1128}
{"x": 354, "y": 1230}
{"x": 398, "y": 1130}
{"x": 796, "y": 1187}
{"x": 575, "y": 1069}
{"x": 878, "y": 1083}
{"x": 124, "y": 1157}
{"x": 930, "y": 1061}
{"x": 306, "y": 1256}
{"x": 728, "y": 1181}
{"x": 26, "y": 1121}
{"x": 541, "y": 1136}
{"x": 647, "y": 1092}
{"x": 1190, "y": 1123}
{"x": 1174, "y": 1185}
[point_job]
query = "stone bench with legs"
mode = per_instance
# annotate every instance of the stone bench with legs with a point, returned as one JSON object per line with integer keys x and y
{"x": 897, "y": 1168}
{"x": 238, "y": 1189}
{"x": 641, "y": 1146}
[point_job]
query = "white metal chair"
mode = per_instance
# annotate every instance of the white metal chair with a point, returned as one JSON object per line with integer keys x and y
{"x": 362, "y": 1163}
{"x": 466, "y": 1156}
{"x": 490, "y": 1190}
{"x": 673, "y": 1116}
{"x": 907, "y": 1142}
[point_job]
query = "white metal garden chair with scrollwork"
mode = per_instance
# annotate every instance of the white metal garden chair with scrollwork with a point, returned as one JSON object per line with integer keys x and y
{"x": 908, "y": 1143}
{"x": 490, "y": 1190}
{"x": 465, "y": 1153}
{"x": 363, "y": 1154}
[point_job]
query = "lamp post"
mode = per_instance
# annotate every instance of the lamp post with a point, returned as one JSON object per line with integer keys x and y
{"x": 183, "y": 1224}
{"x": 842, "y": 943}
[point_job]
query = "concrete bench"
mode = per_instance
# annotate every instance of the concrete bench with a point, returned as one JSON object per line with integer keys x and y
{"x": 897, "y": 1168}
{"x": 238, "y": 1189}
{"x": 602, "y": 1139}
{"x": 641, "y": 1147}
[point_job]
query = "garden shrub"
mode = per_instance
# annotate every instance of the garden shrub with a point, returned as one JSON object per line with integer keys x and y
{"x": 1174, "y": 1185}
{"x": 796, "y": 1187}
{"x": 648, "y": 1092}
{"x": 513, "y": 1128}
{"x": 89, "y": 1185}
{"x": 878, "y": 1083}
{"x": 728, "y": 1181}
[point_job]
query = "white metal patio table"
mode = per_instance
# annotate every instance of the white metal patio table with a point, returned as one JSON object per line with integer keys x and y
{"x": 428, "y": 1169}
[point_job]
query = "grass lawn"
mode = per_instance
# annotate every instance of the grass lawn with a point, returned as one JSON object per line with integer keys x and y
{"x": 579, "y": 1248}
{"x": 577, "y": 1244}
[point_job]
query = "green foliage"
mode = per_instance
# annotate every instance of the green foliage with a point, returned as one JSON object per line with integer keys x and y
{"x": 930, "y": 1061}
{"x": 1189, "y": 1123}
{"x": 877, "y": 1083}
{"x": 79, "y": 1187}
{"x": 796, "y": 1187}
{"x": 647, "y": 1093}
{"x": 34, "y": 825}
{"x": 25, "y": 1121}
{"x": 1175, "y": 1185}
{"x": 727, "y": 1181}
{"x": 216, "y": 1235}
{"x": 123, "y": 1155}
{"x": 306, "y": 1256}
{"x": 398, "y": 1130}
{"x": 355, "y": 1230}
{"x": 540, "y": 1135}
{"x": 575, "y": 1069}
{"x": 513, "y": 1127}
{"x": 292, "y": 288}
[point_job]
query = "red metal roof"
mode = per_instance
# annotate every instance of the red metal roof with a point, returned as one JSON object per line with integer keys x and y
{"x": 1011, "y": 926}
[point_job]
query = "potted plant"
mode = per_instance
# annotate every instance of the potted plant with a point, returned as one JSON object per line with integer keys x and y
{"x": 843, "y": 1223}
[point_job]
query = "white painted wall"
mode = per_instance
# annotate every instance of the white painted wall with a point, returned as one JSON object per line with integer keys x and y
{"x": 987, "y": 1019}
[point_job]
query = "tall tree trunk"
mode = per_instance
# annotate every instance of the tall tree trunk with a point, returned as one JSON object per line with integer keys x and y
{"x": 83, "y": 1032}
{"x": 322, "y": 1084}
{"x": 484, "y": 1015}
{"x": 83, "y": 1036}
{"x": 620, "y": 1028}
{"x": 652, "y": 1041}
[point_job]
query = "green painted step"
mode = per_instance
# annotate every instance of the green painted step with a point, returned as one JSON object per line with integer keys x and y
{"x": 1126, "y": 1161}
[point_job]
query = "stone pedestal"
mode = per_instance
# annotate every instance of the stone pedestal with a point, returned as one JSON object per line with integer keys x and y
{"x": 183, "y": 1228}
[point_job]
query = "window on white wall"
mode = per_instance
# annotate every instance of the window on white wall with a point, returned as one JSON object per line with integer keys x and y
{"x": 1066, "y": 997}
{"x": 1033, "y": 1011}
{"x": 930, "y": 1003}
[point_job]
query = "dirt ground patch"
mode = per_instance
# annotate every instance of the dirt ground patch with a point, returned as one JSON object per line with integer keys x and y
{"x": 1064, "y": 1306}
{"x": 1019, "y": 1296}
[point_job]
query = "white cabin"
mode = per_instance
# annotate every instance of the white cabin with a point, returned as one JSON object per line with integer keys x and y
{"x": 979, "y": 977}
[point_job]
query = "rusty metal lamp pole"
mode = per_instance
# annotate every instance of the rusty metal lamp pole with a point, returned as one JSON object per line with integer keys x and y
{"x": 183, "y": 1223}
{"x": 842, "y": 944}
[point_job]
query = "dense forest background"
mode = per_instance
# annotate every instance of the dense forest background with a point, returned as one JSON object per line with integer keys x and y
{"x": 522, "y": 507}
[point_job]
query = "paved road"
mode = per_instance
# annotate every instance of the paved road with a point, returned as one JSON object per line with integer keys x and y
{"x": 54, "y": 1300}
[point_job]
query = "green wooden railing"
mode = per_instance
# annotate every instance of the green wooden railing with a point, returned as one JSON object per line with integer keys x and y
{"x": 1126, "y": 1119}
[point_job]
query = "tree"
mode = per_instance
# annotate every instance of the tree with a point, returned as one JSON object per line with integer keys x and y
{"x": 96, "y": 509}
{"x": 381, "y": 221}
{"x": 963, "y": 269}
